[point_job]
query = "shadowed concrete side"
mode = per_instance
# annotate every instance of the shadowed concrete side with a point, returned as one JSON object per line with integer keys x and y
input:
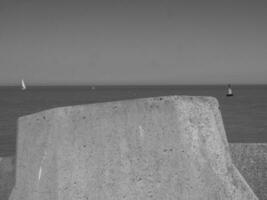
{"x": 7, "y": 176}
{"x": 156, "y": 148}
{"x": 251, "y": 160}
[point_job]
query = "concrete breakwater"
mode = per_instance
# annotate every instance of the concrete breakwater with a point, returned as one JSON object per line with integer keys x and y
{"x": 156, "y": 148}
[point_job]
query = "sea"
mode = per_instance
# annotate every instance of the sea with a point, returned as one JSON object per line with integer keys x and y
{"x": 244, "y": 114}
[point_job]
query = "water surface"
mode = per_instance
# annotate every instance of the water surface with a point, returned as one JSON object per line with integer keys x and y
{"x": 244, "y": 114}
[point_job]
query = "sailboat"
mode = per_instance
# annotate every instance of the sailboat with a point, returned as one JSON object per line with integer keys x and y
{"x": 229, "y": 91}
{"x": 23, "y": 85}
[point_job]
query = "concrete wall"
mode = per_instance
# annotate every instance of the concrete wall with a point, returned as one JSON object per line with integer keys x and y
{"x": 155, "y": 148}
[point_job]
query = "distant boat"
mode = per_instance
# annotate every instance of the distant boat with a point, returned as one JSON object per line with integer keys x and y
{"x": 23, "y": 85}
{"x": 229, "y": 91}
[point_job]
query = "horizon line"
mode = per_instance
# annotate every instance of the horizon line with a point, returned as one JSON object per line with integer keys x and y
{"x": 129, "y": 85}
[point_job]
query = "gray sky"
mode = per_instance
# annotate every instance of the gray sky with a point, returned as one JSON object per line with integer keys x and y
{"x": 133, "y": 42}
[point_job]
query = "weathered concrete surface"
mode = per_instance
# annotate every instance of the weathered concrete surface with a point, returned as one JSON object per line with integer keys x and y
{"x": 7, "y": 176}
{"x": 156, "y": 148}
{"x": 251, "y": 160}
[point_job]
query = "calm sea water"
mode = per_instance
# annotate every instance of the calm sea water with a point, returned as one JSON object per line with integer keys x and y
{"x": 244, "y": 114}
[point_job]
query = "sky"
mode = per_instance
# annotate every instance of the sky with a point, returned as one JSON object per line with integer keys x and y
{"x": 133, "y": 42}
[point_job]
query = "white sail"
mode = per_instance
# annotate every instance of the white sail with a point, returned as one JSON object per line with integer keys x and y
{"x": 23, "y": 85}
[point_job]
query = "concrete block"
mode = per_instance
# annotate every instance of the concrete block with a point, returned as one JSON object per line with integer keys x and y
{"x": 251, "y": 160}
{"x": 155, "y": 148}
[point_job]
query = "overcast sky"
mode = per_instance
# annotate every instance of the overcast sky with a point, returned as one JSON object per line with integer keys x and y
{"x": 133, "y": 42}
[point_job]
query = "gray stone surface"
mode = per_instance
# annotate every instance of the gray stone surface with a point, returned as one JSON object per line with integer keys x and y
{"x": 7, "y": 176}
{"x": 251, "y": 160}
{"x": 155, "y": 148}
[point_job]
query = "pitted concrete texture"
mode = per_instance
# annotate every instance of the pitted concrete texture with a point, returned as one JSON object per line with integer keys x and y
{"x": 155, "y": 148}
{"x": 251, "y": 160}
{"x": 7, "y": 176}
